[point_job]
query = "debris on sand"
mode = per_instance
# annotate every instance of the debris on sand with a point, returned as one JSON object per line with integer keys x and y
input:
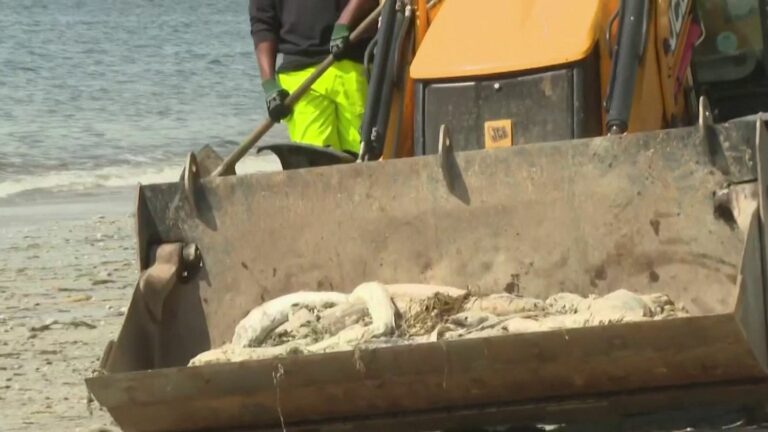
{"x": 103, "y": 281}
{"x": 79, "y": 298}
{"x": 56, "y": 324}
{"x": 375, "y": 315}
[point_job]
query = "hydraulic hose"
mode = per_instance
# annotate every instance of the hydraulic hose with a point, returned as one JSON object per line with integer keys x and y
{"x": 379, "y": 132}
{"x": 400, "y": 40}
{"x": 369, "y": 50}
{"x": 630, "y": 45}
{"x": 372, "y": 103}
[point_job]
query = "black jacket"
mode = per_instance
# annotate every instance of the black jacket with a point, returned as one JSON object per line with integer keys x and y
{"x": 302, "y": 29}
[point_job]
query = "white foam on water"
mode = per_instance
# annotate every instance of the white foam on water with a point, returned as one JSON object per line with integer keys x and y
{"x": 119, "y": 176}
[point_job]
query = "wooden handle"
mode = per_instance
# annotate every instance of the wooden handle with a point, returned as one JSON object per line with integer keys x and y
{"x": 262, "y": 130}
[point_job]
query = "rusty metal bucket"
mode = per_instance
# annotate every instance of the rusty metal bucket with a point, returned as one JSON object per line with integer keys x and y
{"x": 676, "y": 212}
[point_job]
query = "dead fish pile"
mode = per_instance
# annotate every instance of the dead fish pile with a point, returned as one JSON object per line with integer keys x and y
{"x": 376, "y": 315}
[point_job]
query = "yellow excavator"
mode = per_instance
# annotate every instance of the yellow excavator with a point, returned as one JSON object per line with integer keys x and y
{"x": 527, "y": 146}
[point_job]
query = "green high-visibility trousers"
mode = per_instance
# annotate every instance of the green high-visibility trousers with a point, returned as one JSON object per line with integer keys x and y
{"x": 330, "y": 114}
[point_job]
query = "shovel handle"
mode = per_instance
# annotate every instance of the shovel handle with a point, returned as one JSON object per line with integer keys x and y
{"x": 297, "y": 94}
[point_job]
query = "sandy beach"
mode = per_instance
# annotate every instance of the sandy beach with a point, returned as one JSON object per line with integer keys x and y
{"x": 66, "y": 276}
{"x": 67, "y": 272}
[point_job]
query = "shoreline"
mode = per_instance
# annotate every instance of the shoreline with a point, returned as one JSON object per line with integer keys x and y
{"x": 116, "y": 184}
{"x": 67, "y": 207}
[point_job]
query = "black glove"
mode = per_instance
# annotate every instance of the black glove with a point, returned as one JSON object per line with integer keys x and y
{"x": 339, "y": 40}
{"x": 275, "y": 97}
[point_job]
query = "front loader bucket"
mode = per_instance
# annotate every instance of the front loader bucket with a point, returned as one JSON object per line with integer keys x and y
{"x": 674, "y": 212}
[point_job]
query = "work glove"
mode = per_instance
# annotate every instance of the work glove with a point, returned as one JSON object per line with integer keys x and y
{"x": 275, "y": 97}
{"x": 339, "y": 40}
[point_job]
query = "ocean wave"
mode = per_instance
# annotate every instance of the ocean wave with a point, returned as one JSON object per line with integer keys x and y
{"x": 116, "y": 176}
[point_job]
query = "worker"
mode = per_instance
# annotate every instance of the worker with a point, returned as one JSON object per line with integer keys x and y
{"x": 305, "y": 32}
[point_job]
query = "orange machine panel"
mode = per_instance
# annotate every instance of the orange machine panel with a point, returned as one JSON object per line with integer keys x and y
{"x": 476, "y": 38}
